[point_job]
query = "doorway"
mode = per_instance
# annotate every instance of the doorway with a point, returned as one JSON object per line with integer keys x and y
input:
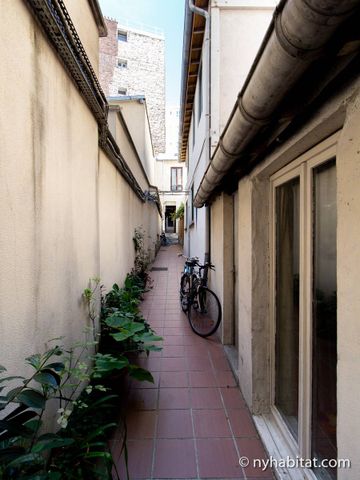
{"x": 170, "y": 223}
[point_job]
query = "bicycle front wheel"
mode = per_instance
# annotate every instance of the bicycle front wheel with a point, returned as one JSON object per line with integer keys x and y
{"x": 184, "y": 292}
{"x": 204, "y": 312}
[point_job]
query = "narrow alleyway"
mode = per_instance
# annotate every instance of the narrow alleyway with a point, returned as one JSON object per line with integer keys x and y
{"x": 193, "y": 422}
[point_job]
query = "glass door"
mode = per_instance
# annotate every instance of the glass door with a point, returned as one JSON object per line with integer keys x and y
{"x": 304, "y": 324}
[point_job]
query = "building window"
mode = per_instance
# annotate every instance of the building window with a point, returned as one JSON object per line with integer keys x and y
{"x": 122, "y": 91}
{"x": 192, "y": 203}
{"x": 122, "y": 36}
{"x": 122, "y": 63}
{"x": 304, "y": 308}
{"x": 200, "y": 93}
{"x": 176, "y": 180}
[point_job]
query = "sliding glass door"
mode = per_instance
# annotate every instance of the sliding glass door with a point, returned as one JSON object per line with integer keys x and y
{"x": 304, "y": 308}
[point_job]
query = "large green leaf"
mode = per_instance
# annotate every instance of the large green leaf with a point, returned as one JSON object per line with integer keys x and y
{"x": 29, "y": 458}
{"x": 57, "y": 366}
{"x": 147, "y": 337}
{"x": 106, "y": 455}
{"x": 34, "y": 360}
{"x": 119, "y": 320}
{"x": 121, "y": 336}
{"x": 152, "y": 348}
{"x": 9, "y": 379}
{"x": 11, "y": 394}
{"x": 9, "y": 429}
{"x": 107, "y": 363}
{"x": 140, "y": 374}
{"x": 31, "y": 398}
{"x": 47, "y": 377}
{"x": 49, "y": 443}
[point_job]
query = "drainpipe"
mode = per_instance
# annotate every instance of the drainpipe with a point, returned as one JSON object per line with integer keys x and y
{"x": 296, "y": 37}
{"x": 204, "y": 13}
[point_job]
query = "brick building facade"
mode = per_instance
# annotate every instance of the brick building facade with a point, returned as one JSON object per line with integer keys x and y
{"x": 132, "y": 62}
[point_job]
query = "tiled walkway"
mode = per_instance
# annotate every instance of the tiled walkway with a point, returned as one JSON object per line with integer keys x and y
{"x": 193, "y": 422}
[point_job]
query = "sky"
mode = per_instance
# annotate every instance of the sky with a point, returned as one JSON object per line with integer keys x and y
{"x": 166, "y": 15}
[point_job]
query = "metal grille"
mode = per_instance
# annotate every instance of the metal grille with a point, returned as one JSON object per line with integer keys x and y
{"x": 159, "y": 269}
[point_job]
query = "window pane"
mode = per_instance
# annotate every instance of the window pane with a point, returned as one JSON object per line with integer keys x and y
{"x": 179, "y": 178}
{"x": 324, "y": 317}
{"x": 287, "y": 303}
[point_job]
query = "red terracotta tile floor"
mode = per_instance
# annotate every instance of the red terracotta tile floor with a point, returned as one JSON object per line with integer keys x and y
{"x": 192, "y": 423}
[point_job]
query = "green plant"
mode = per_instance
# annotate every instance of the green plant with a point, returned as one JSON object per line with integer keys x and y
{"x": 83, "y": 384}
{"x": 142, "y": 256}
{"x": 23, "y": 451}
{"x": 79, "y": 450}
{"x": 91, "y": 295}
{"x": 179, "y": 213}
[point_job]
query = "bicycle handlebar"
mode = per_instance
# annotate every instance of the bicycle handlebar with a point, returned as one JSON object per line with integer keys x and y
{"x": 196, "y": 260}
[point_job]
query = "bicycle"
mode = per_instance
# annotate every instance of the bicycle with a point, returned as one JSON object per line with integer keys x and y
{"x": 197, "y": 300}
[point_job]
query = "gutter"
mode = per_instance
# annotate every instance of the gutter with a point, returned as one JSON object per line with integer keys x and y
{"x": 185, "y": 65}
{"x": 298, "y": 35}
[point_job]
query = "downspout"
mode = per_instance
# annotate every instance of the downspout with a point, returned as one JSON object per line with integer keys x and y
{"x": 297, "y": 36}
{"x": 205, "y": 14}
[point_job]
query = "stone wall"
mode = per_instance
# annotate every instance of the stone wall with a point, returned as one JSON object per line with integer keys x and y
{"x": 144, "y": 74}
{"x": 108, "y": 55}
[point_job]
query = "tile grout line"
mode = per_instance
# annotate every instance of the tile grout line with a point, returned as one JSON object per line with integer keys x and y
{"x": 227, "y": 418}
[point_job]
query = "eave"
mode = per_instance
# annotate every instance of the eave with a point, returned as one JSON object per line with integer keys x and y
{"x": 194, "y": 29}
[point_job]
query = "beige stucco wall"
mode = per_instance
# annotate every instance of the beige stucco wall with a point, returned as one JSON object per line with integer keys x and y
{"x": 120, "y": 212}
{"x": 348, "y": 278}
{"x": 48, "y": 192}
{"x": 343, "y": 111}
{"x": 221, "y": 254}
{"x": 84, "y": 22}
{"x": 136, "y": 117}
{"x": 64, "y": 207}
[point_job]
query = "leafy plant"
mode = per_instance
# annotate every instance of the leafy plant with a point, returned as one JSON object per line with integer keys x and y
{"x": 179, "y": 213}
{"x": 142, "y": 256}
{"x": 83, "y": 381}
{"x": 91, "y": 295}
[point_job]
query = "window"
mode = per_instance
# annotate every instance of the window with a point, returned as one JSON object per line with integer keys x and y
{"x": 122, "y": 91}
{"x": 200, "y": 94}
{"x": 122, "y": 36}
{"x": 122, "y": 63}
{"x": 176, "y": 179}
{"x": 192, "y": 203}
{"x": 304, "y": 292}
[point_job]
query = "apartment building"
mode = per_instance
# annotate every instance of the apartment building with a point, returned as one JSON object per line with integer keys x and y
{"x": 132, "y": 63}
{"x": 273, "y": 158}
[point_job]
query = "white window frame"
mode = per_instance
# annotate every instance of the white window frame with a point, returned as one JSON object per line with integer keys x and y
{"x": 122, "y": 63}
{"x": 302, "y": 168}
{"x": 122, "y": 35}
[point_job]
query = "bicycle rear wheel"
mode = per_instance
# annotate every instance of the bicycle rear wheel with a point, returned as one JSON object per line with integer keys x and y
{"x": 184, "y": 292}
{"x": 204, "y": 312}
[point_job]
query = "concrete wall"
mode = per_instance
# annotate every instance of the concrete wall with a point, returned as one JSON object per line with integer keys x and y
{"x": 221, "y": 253}
{"x": 135, "y": 113}
{"x": 241, "y": 33}
{"x": 48, "y": 191}
{"x": 348, "y": 279}
{"x": 60, "y": 202}
{"x": 120, "y": 212}
{"x": 83, "y": 19}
